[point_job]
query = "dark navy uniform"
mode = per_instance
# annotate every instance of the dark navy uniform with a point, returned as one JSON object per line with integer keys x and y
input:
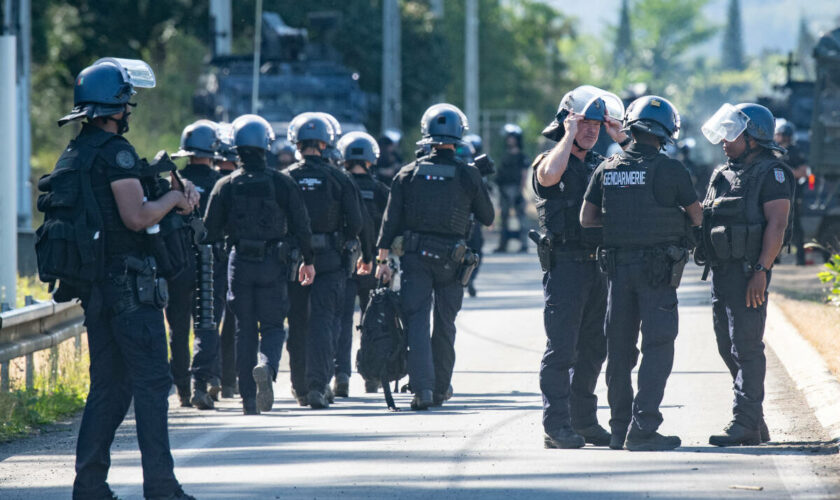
{"x": 733, "y": 208}
{"x": 509, "y": 181}
{"x": 256, "y": 210}
{"x": 640, "y": 192}
{"x": 575, "y": 301}
{"x": 333, "y": 205}
{"x": 374, "y": 195}
{"x": 430, "y": 205}
{"x": 127, "y": 340}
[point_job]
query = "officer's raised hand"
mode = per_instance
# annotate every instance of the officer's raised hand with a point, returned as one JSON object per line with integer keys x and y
{"x": 306, "y": 274}
{"x": 613, "y": 128}
{"x": 571, "y": 123}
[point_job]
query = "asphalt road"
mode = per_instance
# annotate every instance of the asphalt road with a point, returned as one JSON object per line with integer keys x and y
{"x": 486, "y": 443}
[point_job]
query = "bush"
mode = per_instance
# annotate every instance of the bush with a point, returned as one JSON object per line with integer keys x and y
{"x": 831, "y": 277}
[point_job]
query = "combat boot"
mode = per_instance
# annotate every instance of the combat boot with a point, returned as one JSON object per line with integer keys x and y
{"x": 563, "y": 438}
{"x": 249, "y": 406}
{"x": 200, "y": 399}
{"x": 372, "y": 386}
{"x": 184, "y": 395}
{"x": 617, "y": 438}
{"x": 228, "y": 392}
{"x": 638, "y": 440}
{"x": 764, "y": 431}
{"x": 471, "y": 289}
{"x": 422, "y": 400}
{"x": 342, "y": 385}
{"x": 440, "y": 397}
{"x": 175, "y": 495}
{"x": 215, "y": 388}
{"x": 265, "y": 391}
{"x": 328, "y": 393}
{"x": 595, "y": 435}
{"x": 301, "y": 398}
{"x": 316, "y": 400}
{"x": 736, "y": 434}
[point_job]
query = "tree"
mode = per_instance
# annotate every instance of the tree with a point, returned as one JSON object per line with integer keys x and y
{"x": 732, "y": 55}
{"x": 623, "y": 52}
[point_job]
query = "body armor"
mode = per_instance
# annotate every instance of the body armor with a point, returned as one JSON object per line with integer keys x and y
{"x": 321, "y": 193}
{"x": 559, "y": 215}
{"x": 437, "y": 199}
{"x": 632, "y": 217}
{"x": 255, "y": 214}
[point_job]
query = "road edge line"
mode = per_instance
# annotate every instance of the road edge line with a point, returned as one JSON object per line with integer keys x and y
{"x": 806, "y": 368}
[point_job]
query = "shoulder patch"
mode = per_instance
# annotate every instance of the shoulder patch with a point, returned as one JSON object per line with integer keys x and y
{"x": 125, "y": 159}
{"x": 780, "y": 175}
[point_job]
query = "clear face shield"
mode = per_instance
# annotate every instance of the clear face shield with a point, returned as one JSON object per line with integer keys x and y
{"x": 136, "y": 72}
{"x": 580, "y": 98}
{"x": 725, "y": 125}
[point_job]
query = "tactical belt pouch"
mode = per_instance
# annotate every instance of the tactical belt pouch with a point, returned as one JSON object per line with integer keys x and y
{"x": 728, "y": 207}
{"x": 737, "y": 241}
{"x": 720, "y": 243}
{"x": 606, "y": 261}
{"x": 544, "y": 248}
{"x": 282, "y": 251}
{"x": 679, "y": 258}
{"x": 351, "y": 253}
{"x": 435, "y": 249}
{"x": 138, "y": 285}
{"x": 658, "y": 266}
{"x": 172, "y": 246}
{"x": 468, "y": 267}
{"x": 251, "y": 250}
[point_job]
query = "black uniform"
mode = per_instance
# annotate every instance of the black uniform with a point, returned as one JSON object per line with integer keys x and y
{"x": 257, "y": 210}
{"x": 374, "y": 195}
{"x": 126, "y": 335}
{"x": 430, "y": 204}
{"x": 333, "y": 205}
{"x": 733, "y": 230}
{"x": 640, "y": 192}
{"x": 182, "y": 300}
{"x": 224, "y": 316}
{"x": 794, "y": 159}
{"x": 575, "y": 301}
{"x": 509, "y": 180}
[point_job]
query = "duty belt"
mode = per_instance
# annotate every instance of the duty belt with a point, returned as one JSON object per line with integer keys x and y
{"x": 575, "y": 255}
{"x": 327, "y": 241}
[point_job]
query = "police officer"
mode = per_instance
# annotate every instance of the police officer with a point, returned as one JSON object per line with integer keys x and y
{"x": 642, "y": 198}
{"x": 333, "y": 205}
{"x": 283, "y": 155}
{"x": 511, "y": 178}
{"x": 225, "y": 164}
{"x": 796, "y": 159}
{"x": 390, "y": 160}
{"x": 256, "y": 209}
{"x": 429, "y": 206}
{"x": 476, "y": 237}
{"x": 360, "y": 152}
{"x": 745, "y": 215}
{"x": 199, "y": 142}
{"x": 575, "y": 289}
{"x": 124, "y": 323}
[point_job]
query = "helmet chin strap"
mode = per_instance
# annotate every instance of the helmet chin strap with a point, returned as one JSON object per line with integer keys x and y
{"x": 747, "y": 151}
{"x": 122, "y": 123}
{"x": 577, "y": 145}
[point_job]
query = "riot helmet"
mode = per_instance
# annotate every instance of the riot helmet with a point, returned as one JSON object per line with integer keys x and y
{"x": 442, "y": 124}
{"x": 105, "y": 88}
{"x": 199, "y": 140}
{"x": 476, "y": 142}
{"x": 785, "y": 128}
{"x": 591, "y": 102}
{"x": 390, "y": 136}
{"x": 754, "y": 120}
{"x": 310, "y": 127}
{"x": 252, "y": 131}
{"x": 226, "y": 151}
{"x": 358, "y": 147}
{"x": 465, "y": 152}
{"x": 654, "y": 115}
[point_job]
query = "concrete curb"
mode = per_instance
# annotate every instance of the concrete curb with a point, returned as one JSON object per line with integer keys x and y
{"x": 807, "y": 369}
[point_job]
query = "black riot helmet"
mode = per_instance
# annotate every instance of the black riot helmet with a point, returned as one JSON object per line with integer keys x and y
{"x": 105, "y": 88}
{"x": 442, "y": 124}
{"x": 199, "y": 140}
{"x": 465, "y": 152}
{"x": 226, "y": 151}
{"x": 760, "y": 125}
{"x": 785, "y": 128}
{"x": 654, "y": 115}
{"x": 252, "y": 131}
{"x": 310, "y": 127}
{"x": 358, "y": 147}
{"x": 476, "y": 142}
{"x": 591, "y": 102}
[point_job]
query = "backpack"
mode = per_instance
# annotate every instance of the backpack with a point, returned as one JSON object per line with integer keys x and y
{"x": 384, "y": 347}
{"x": 69, "y": 245}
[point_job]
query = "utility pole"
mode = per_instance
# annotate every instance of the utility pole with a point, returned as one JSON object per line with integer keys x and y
{"x": 471, "y": 106}
{"x": 24, "y": 202}
{"x": 222, "y": 27}
{"x": 8, "y": 158}
{"x": 255, "y": 85}
{"x": 391, "y": 68}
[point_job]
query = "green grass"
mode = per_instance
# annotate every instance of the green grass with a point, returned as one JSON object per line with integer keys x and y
{"x": 30, "y": 285}
{"x": 23, "y": 412}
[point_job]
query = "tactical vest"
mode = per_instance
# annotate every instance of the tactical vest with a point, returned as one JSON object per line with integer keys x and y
{"x": 559, "y": 215}
{"x": 367, "y": 188}
{"x": 321, "y": 193}
{"x": 255, "y": 213}
{"x": 632, "y": 217}
{"x": 437, "y": 199}
{"x": 204, "y": 179}
{"x": 733, "y": 218}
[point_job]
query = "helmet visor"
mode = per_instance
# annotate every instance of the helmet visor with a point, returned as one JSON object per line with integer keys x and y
{"x": 725, "y": 125}
{"x": 135, "y": 71}
{"x": 225, "y": 133}
{"x": 579, "y": 99}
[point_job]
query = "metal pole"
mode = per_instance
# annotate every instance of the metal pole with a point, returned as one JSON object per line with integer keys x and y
{"x": 24, "y": 204}
{"x": 5, "y": 378}
{"x": 220, "y": 12}
{"x": 391, "y": 66}
{"x": 8, "y": 175}
{"x": 255, "y": 85}
{"x": 471, "y": 108}
{"x": 30, "y": 371}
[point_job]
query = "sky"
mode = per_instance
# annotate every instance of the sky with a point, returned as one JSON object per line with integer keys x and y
{"x": 770, "y": 25}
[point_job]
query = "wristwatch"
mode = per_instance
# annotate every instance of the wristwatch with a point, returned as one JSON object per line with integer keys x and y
{"x": 759, "y": 268}
{"x": 381, "y": 261}
{"x": 625, "y": 141}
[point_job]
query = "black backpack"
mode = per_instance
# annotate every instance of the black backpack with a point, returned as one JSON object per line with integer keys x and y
{"x": 69, "y": 244}
{"x": 382, "y": 355}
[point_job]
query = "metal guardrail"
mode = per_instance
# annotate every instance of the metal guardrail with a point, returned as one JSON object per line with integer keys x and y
{"x": 37, "y": 327}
